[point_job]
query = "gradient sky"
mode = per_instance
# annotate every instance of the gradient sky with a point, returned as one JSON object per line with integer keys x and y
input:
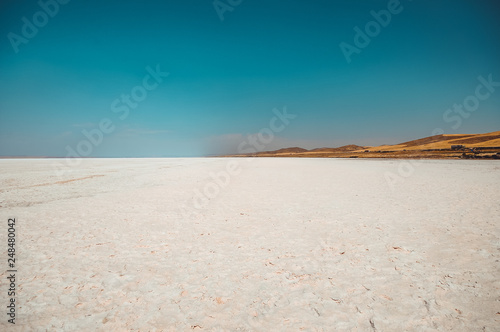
{"x": 226, "y": 77}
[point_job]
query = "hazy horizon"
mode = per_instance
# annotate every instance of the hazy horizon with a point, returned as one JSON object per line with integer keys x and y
{"x": 189, "y": 79}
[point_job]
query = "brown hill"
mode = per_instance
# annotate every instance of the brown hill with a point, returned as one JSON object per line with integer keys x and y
{"x": 485, "y": 145}
{"x": 351, "y": 147}
{"x": 285, "y": 150}
{"x": 445, "y": 142}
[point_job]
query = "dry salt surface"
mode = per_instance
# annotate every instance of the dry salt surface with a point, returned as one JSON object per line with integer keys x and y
{"x": 286, "y": 245}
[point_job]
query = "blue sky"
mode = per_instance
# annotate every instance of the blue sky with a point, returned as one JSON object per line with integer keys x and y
{"x": 226, "y": 76}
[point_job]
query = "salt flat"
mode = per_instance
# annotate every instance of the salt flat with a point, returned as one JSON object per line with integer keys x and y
{"x": 279, "y": 245}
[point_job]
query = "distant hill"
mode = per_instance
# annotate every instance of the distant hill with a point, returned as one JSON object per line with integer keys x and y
{"x": 350, "y": 147}
{"x": 439, "y": 146}
{"x": 285, "y": 150}
{"x": 446, "y": 141}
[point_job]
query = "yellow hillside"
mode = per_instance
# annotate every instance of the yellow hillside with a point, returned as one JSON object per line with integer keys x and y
{"x": 445, "y": 142}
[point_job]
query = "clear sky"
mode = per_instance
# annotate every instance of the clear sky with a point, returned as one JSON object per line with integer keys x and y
{"x": 226, "y": 76}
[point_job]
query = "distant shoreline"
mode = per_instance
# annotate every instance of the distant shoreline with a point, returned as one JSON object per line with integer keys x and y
{"x": 456, "y": 146}
{"x": 453, "y": 146}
